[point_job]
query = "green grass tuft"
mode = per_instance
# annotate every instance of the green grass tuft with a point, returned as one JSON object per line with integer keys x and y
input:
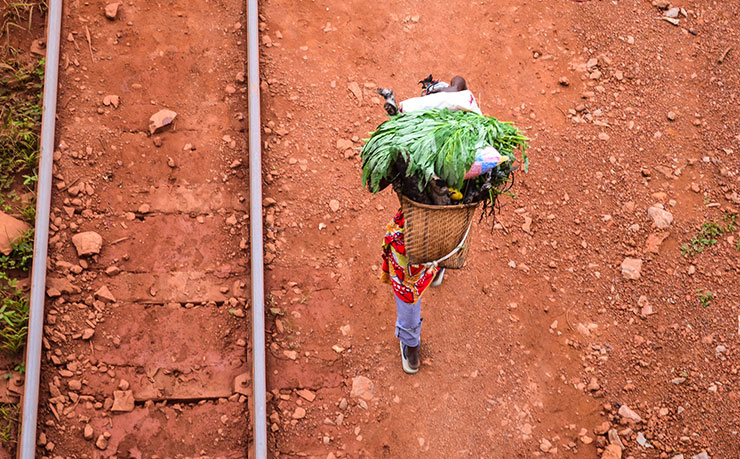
{"x": 705, "y": 297}
{"x": 19, "y": 15}
{"x": 21, "y": 256}
{"x": 708, "y": 235}
{"x": 8, "y": 421}
{"x": 13, "y": 315}
{"x": 20, "y": 121}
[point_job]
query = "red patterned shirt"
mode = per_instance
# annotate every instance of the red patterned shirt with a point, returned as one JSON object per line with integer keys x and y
{"x": 408, "y": 281}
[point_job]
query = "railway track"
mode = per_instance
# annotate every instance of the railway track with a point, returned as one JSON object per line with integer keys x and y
{"x": 146, "y": 336}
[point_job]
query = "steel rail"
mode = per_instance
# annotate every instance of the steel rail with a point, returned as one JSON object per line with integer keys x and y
{"x": 259, "y": 409}
{"x": 27, "y": 446}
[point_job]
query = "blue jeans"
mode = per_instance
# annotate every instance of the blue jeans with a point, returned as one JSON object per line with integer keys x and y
{"x": 408, "y": 322}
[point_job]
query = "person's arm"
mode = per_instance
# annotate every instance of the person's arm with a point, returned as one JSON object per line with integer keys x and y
{"x": 456, "y": 84}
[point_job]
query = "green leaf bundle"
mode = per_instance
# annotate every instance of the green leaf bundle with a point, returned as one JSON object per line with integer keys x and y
{"x": 436, "y": 142}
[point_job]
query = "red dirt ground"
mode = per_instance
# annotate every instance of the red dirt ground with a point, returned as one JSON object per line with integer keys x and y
{"x": 516, "y": 361}
{"x": 173, "y": 337}
{"x": 533, "y": 349}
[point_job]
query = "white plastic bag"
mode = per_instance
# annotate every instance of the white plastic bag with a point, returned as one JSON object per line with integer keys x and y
{"x": 454, "y": 101}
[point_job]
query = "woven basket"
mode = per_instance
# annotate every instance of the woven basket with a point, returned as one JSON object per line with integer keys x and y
{"x": 432, "y": 232}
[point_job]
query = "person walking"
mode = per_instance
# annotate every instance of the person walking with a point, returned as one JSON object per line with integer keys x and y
{"x": 408, "y": 281}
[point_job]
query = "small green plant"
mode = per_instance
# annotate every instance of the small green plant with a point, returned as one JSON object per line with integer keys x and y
{"x": 8, "y": 422}
{"x": 29, "y": 180}
{"x": 21, "y": 256}
{"x": 705, "y": 297}
{"x": 729, "y": 218}
{"x": 29, "y": 212}
{"x": 709, "y": 234}
{"x": 20, "y": 121}
{"x": 13, "y": 315}
{"x": 706, "y": 237}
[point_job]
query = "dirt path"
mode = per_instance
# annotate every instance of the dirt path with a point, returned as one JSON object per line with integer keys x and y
{"x": 146, "y": 335}
{"x": 539, "y": 344}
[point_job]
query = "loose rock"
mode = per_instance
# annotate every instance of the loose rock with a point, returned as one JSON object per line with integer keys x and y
{"x": 614, "y": 439}
{"x": 111, "y": 100}
{"x": 111, "y": 10}
{"x": 307, "y": 394}
{"x": 362, "y": 388}
{"x": 642, "y": 441}
{"x": 104, "y": 294}
{"x": 602, "y": 428}
{"x": 527, "y": 225}
{"x": 672, "y": 12}
{"x": 161, "y": 119}
{"x": 87, "y": 243}
{"x": 354, "y": 88}
{"x": 62, "y": 285}
{"x": 654, "y": 241}
{"x": 612, "y": 452}
{"x": 646, "y": 309}
{"x": 11, "y": 230}
{"x": 628, "y": 414}
{"x": 123, "y": 401}
{"x": 661, "y": 217}
{"x": 673, "y": 21}
{"x": 101, "y": 443}
{"x": 631, "y": 268}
